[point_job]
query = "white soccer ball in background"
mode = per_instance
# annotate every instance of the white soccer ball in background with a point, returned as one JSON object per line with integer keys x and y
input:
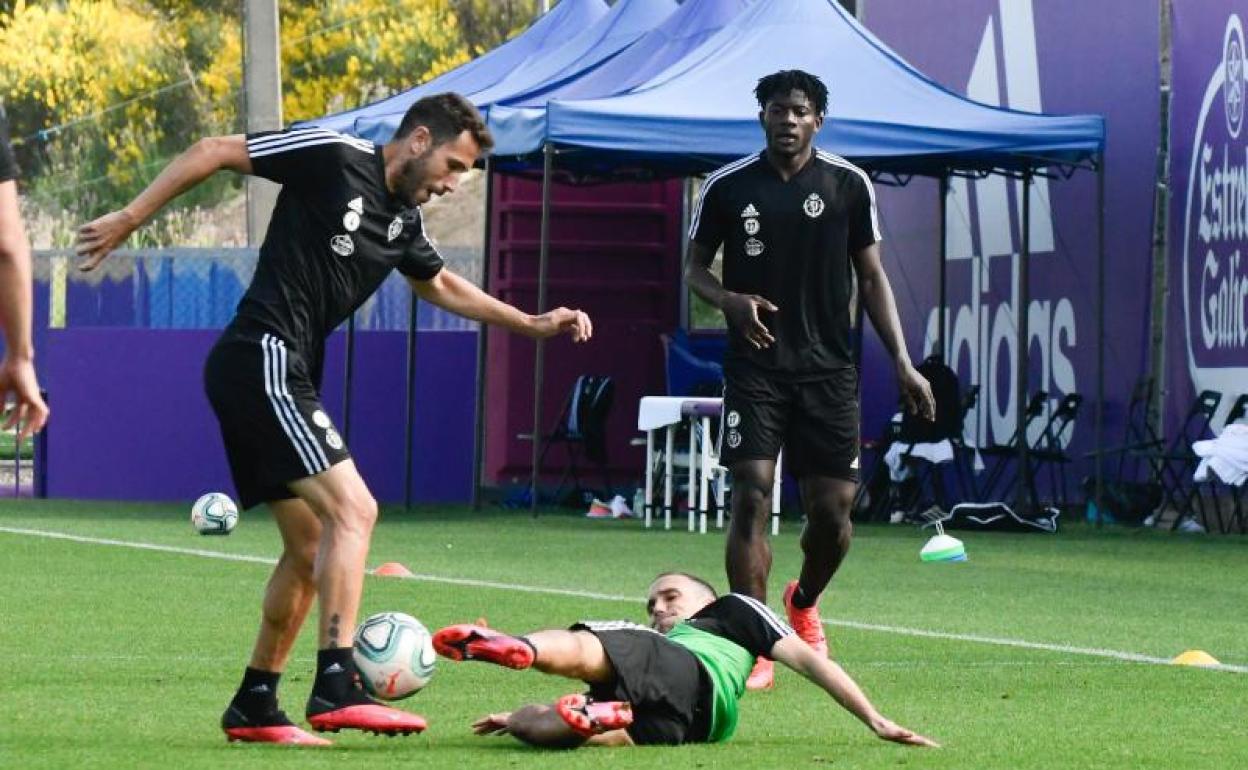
{"x": 214, "y": 514}
{"x": 394, "y": 655}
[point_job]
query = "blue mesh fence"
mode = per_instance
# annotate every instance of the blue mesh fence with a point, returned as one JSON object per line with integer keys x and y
{"x": 190, "y": 288}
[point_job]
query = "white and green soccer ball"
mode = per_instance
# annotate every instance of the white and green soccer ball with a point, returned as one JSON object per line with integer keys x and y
{"x": 214, "y": 514}
{"x": 394, "y": 654}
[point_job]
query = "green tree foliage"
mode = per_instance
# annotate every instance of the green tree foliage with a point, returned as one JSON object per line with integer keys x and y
{"x": 101, "y": 94}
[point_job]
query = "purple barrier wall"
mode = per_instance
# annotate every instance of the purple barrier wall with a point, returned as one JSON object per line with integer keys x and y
{"x": 131, "y": 420}
{"x": 1061, "y": 56}
{"x": 1207, "y": 316}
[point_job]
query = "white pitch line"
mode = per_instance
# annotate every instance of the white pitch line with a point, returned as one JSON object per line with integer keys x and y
{"x": 1130, "y": 657}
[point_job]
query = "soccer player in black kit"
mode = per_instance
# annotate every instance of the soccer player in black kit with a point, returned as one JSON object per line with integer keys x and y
{"x": 794, "y": 222}
{"x": 348, "y": 213}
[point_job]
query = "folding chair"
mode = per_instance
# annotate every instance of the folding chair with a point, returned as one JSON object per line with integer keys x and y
{"x": 687, "y": 373}
{"x": 1049, "y": 452}
{"x": 873, "y": 495}
{"x": 1137, "y": 435}
{"x": 877, "y": 496}
{"x": 581, "y": 428}
{"x": 1238, "y": 517}
{"x": 1174, "y": 463}
{"x": 1004, "y": 456}
{"x": 951, "y": 410}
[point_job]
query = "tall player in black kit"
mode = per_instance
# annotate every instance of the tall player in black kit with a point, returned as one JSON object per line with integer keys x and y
{"x": 348, "y": 213}
{"x": 794, "y": 221}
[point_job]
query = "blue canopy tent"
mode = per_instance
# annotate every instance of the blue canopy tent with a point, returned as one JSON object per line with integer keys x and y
{"x": 580, "y": 49}
{"x": 549, "y": 33}
{"x": 627, "y": 21}
{"x": 884, "y": 115}
{"x": 519, "y": 124}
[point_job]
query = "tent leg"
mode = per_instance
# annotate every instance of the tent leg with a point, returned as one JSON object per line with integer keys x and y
{"x": 944, "y": 263}
{"x": 478, "y": 412}
{"x": 1100, "y": 336}
{"x": 1021, "y": 497}
{"x": 548, "y": 162}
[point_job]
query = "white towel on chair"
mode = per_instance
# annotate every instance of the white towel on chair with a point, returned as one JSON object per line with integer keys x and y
{"x": 936, "y": 452}
{"x": 1226, "y": 455}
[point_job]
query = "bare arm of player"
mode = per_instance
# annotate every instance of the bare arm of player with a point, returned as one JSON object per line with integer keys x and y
{"x": 97, "y": 239}
{"x": 740, "y": 310}
{"x": 877, "y": 298}
{"x": 797, "y": 655}
{"x": 460, "y": 296}
{"x": 17, "y": 367}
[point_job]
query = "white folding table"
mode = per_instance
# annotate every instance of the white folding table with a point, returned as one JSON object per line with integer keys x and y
{"x": 666, "y": 412}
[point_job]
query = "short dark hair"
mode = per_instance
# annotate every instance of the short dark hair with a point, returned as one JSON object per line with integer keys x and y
{"x": 694, "y": 578}
{"x": 782, "y": 82}
{"x": 446, "y": 116}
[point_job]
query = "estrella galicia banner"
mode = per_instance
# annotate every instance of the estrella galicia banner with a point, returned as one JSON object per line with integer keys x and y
{"x": 1207, "y": 346}
{"x": 1056, "y": 56}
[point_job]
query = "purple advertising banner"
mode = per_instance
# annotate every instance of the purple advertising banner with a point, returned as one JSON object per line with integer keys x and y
{"x": 132, "y": 421}
{"x": 1059, "y": 56}
{"x": 1207, "y": 316}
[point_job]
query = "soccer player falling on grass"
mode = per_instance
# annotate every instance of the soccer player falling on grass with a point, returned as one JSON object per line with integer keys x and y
{"x": 677, "y": 681}
{"x": 794, "y": 222}
{"x": 348, "y": 213}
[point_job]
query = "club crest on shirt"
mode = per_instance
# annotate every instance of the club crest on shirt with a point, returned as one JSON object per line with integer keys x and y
{"x": 749, "y": 211}
{"x": 753, "y": 247}
{"x": 342, "y": 245}
{"x": 734, "y": 438}
{"x": 751, "y": 226}
{"x": 395, "y": 228}
{"x": 813, "y": 205}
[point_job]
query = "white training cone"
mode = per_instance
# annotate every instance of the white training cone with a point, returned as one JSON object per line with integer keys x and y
{"x": 942, "y": 547}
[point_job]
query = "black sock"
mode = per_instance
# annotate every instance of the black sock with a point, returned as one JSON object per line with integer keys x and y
{"x": 256, "y": 699}
{"x": 336, "y": 679}
{"x": 258, "y": 689}
{"x": 801, "y": 600}
{"x": 525, "y": 639}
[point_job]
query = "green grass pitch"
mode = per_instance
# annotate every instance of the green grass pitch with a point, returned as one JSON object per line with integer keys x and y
{"x": 125, "y": 657}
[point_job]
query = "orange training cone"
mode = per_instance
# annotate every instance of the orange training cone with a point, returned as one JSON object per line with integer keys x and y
{"x": 392, "y": 569}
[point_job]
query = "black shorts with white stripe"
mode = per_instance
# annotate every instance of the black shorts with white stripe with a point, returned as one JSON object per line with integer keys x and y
{"x": 272, "y": 422}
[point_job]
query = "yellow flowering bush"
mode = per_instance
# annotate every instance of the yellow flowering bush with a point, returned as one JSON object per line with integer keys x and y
{"x": 101, "y": 94}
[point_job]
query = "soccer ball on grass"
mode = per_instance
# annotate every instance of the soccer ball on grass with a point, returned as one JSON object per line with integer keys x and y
{"x": 394, "y": 655}
{"x": 214, "y": 514}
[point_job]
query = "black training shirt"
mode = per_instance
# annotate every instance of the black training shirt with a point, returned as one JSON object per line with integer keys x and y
{"x": 790, "y": 242}
{"x": 743, "y": 620}
{"x": 335, "y": 235}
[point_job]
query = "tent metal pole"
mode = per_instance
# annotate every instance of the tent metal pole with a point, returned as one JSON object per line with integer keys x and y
{"x": 944, "y": 263}
{"x": 539, "y": 354}
{"x": 478, "y": 412}
{"x": 1022, "y": 317}
{"x": 348, "y": 377}
{"x": 1100, "y": 337}
{"x": 409, "y": 401}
